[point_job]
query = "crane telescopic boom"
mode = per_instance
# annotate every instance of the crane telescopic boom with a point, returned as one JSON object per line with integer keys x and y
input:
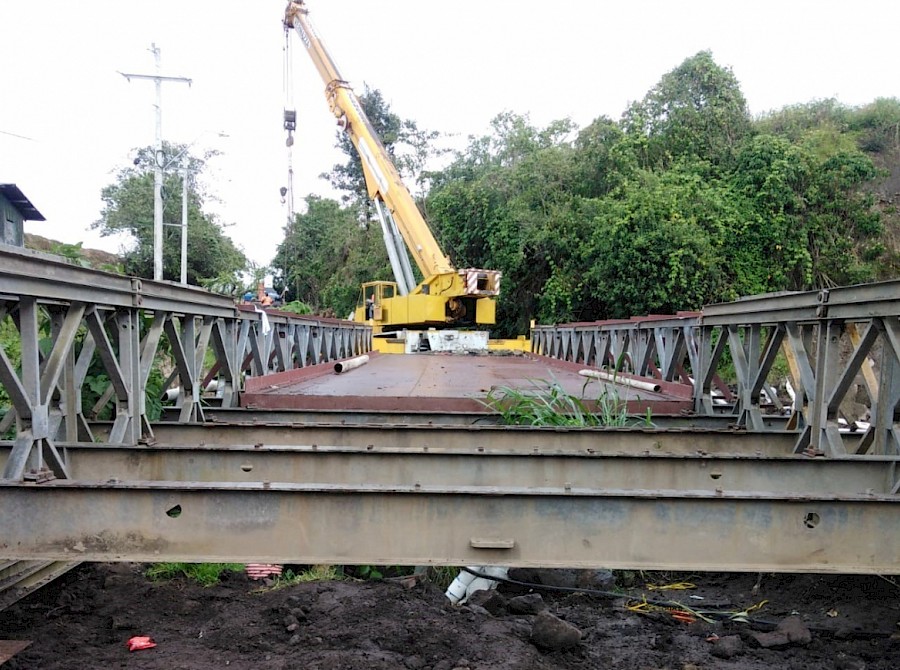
{"x": 446, "y": 295}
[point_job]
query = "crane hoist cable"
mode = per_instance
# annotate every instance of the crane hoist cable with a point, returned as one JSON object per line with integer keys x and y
{"x": 290, "y": 125}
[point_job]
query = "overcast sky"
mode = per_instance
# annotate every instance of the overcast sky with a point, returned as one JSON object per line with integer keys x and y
{"x": 450, "y": 66}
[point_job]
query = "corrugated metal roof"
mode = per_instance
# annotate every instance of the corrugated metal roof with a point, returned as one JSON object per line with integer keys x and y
{"x": 28, "y": 211}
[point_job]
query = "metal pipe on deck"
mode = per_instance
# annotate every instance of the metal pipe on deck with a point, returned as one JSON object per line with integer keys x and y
{"x": 350, "y": 364}
{"x": 620, "y": 379}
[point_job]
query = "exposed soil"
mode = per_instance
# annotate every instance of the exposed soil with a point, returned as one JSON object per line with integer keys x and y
{"x": 97, "y": 258}
{"x": 85, "y": 619}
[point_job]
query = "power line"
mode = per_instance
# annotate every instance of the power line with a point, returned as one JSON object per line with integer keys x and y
{"x": 21, "y": 137}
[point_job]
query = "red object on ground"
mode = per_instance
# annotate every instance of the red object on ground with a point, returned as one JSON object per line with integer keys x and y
{"x": 263, "y": 570}
{"x": 140, "y": 642}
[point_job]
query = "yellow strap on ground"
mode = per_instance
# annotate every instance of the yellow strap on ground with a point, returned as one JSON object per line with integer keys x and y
{"x": 677, "y": 586}
{"x": 757, "y": 606}
{"x": 643, "y": 607}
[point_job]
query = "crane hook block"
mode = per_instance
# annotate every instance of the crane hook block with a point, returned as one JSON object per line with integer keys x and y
{"x": 290, "y": 120}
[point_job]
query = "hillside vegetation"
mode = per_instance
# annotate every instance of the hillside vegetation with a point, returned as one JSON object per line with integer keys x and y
{"x": 93, "y": 258}
{"x": 684, "y": 200}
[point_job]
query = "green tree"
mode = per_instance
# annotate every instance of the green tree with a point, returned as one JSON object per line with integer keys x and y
{"x": 128, "y": 208}
{"x": 659, "y": 247}
{"x": 877, "y": 125}
{"x": 696, "y": 110}
{"x": 326, "y": 255}
{"x": 603, "y": 159}
{"x": 794, "y": 122}
{"x": 506, "y": 203}
{"x": 843, "y": 229}
{"x": 770, "y": 251}
{"x": 812, "y": 223}
{"x": 408, "y": 146}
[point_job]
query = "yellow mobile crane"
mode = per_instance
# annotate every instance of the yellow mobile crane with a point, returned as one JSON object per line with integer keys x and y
{"x": 446, "y": 296}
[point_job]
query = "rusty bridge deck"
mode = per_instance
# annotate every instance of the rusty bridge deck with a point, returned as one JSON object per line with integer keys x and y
{"x": 440, "y": 382}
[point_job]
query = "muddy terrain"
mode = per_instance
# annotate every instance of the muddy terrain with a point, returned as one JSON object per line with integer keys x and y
{"x": 86, "y": 618}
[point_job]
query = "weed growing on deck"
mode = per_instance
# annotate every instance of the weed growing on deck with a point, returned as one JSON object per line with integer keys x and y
{"x": 548, "y": 404}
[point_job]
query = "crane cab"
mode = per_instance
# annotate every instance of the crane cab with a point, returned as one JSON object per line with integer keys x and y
{"x": 372, "y": 307}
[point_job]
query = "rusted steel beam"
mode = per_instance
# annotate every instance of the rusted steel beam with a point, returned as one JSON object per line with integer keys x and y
{"x": 386, "y": 466}
{"x": 9, "y": 648}
{"x": 410, "y": 416}
{"x": 511, "y": 439}
{"x": 369, "y": 403}
{"x": 548, "y": 526}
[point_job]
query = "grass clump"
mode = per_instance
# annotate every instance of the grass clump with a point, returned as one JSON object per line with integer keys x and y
{"x": 207, "y": 574}
{"x": 548, "y": 404}
{"x": 315, "y": 573}
{"x": 442, "y": 576}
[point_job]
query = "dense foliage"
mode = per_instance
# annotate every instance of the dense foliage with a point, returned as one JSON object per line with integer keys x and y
{"x": 327, "y": 254}
{"x": 128, "y": 208}
{"x": 686, "y": 200}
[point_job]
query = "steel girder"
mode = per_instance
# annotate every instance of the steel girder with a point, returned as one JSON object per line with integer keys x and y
{"x": 463, "y": 464}
{"x": 482, "y": 439}
{"x": 377, "y": 495}
{"x": 416, "y": 416}
{"x": 21, "y": 578}
{"x": 419, "y": 525}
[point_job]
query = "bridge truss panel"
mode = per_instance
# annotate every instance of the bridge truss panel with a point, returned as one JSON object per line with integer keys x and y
{"x": 841, "y": 347}
{"x": 93, "y": 335}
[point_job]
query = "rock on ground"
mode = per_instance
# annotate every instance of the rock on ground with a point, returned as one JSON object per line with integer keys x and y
{"x": 550, "y": 632}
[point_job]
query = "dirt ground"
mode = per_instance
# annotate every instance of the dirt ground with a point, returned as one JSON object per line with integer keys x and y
{"x": 85, "y": 619}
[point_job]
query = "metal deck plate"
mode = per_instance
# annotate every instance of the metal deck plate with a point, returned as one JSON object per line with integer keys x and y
{"x": 443, "y": 382}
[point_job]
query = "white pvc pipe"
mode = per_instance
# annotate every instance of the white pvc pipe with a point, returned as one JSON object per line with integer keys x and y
{"x": 173, "y": 393}
{"x": 617, "y": 379}
{"x": 456, "y": 592}
{"x": 350, "y": 364}
{"x": 466, "y": 583}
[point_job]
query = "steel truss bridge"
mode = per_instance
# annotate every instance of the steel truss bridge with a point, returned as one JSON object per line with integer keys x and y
{"x": 741, "y": 482}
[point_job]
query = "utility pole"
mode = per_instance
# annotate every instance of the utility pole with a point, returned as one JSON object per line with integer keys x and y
{"x": 184, "y": 217}
{"x": 158, "y": 159}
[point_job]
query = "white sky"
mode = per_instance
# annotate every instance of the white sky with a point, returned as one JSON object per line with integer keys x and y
{"x": 450, "y": 66}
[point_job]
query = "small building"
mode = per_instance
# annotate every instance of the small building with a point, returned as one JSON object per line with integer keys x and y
{"x": 15, "y": 210}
